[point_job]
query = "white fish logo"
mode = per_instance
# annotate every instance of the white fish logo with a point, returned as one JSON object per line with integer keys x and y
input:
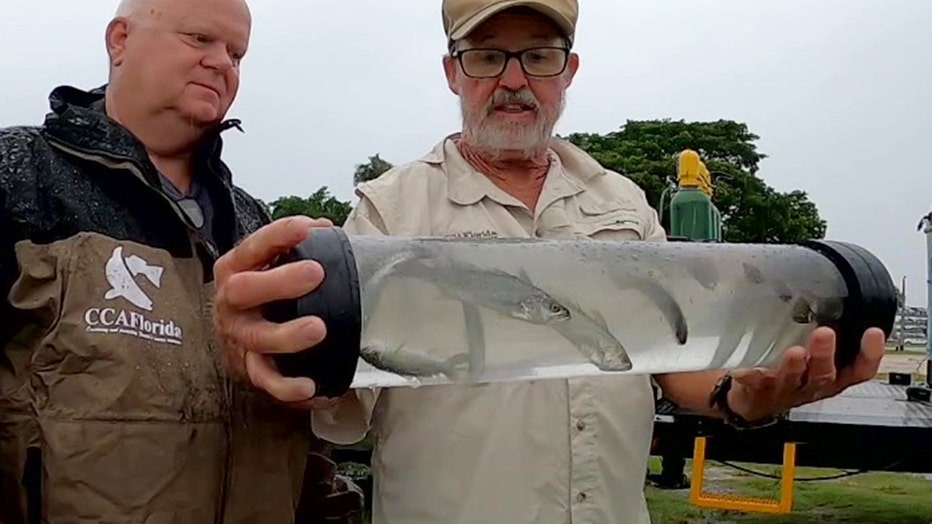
{"x": 121, "y": 277}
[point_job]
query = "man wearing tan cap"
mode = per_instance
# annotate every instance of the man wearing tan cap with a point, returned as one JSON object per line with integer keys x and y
{"x": 544, "y": 451}
{"x": 461, "y": 17}
{"x": 552, "y": 451}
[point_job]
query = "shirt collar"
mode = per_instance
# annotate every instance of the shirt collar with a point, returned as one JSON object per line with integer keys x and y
{"x": 570, "y": 170}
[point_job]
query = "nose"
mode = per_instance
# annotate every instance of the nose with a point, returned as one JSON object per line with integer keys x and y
{"x": 513, "y": 77}
{"x": 218, "y": 57}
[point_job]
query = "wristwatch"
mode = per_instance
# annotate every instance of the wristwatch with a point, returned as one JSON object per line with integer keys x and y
{"x": 718, "y": 399}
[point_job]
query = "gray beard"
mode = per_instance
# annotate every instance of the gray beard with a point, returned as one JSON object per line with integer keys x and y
{"x": 509, "y": 140}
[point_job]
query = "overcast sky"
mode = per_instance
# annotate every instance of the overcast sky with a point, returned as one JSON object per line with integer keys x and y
{"x": 840, "y": 92}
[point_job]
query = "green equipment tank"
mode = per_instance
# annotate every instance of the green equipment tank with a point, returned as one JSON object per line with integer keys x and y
{"x": 693, "y": 215}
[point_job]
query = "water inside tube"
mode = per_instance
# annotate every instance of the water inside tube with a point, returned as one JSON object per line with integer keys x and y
{"x": 450, "y": 310}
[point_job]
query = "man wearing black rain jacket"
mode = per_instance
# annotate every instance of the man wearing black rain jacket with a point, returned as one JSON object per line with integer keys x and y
{"x": 114, "y": 405}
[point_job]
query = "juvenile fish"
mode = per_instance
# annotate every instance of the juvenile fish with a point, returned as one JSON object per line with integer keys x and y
{"x": 591, "y": 336}
{"x": 511, "y": 295}
{"x": 660, "y": 297}
{"x": 412, "y": 364}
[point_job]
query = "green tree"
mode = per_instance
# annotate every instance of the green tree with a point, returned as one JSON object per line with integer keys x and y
{"x": 371, "y": 170}
{"x": 751, "y": 210}
{"x": 321, "y": 204}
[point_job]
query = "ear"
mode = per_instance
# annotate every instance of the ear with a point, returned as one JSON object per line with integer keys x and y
{"x": 450, "y": 70}
{"x": 572, "y": 66}
{"x": 116, "y": 35}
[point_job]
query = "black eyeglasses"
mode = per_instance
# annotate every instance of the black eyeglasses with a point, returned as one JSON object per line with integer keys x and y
{"x": 489, "y": 63}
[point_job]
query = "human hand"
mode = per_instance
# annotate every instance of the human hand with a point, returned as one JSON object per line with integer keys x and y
{"x": 243, "y": 285}
{"x": 804, "y": 375}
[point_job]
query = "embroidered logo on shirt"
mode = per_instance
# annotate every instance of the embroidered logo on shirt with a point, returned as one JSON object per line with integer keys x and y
{"x": 488, "y": 233}
{"x": 121, "y": 274}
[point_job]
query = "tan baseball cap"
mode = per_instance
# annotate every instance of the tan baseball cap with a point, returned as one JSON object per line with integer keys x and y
{"x": 460, "y": 17}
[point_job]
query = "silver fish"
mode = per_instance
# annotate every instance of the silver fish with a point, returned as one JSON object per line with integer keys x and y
{"x": 590, "y": 334}
{"x": 660, "y": 297}
{"x": 511, "y": 295}
{"x": 413, "y": 364}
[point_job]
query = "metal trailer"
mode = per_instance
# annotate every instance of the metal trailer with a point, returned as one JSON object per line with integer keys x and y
{"x": 875, "y": 426}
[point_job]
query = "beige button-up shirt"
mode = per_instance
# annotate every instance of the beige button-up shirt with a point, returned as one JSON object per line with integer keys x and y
{"x": 551, "y": 451}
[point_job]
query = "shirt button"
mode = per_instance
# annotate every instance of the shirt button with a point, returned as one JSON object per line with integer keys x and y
{"x": 580, "y": 425}
{"x": 581, "y": 497}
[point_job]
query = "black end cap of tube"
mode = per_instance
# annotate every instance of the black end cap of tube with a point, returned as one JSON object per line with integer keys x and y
{"x": 331, "y": 364}
{"x": 871, "y": 300}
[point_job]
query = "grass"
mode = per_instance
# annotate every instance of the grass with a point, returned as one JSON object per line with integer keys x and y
{"x": 867, "y": 498}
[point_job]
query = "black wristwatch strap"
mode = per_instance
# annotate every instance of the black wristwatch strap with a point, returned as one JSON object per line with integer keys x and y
{"x": 718, "y": 399}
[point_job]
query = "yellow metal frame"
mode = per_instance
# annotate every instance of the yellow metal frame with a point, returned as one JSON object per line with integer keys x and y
{"x": 737, "y": 503}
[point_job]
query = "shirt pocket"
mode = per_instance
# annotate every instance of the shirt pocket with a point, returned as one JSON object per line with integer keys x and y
{"x": 609, "y": 220}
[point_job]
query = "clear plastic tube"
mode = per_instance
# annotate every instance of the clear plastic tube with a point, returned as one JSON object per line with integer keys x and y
{"x": 436, "y": 310}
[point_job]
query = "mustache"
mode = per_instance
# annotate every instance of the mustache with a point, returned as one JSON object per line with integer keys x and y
{"x": 502, "y": 97}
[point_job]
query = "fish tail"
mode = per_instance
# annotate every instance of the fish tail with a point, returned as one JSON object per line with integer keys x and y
{"x": 664, "y": 301}
{"x": 397, "y": 260}
{"x": 728, "y": 342}
{"x": 677, "y": 321}
{"x": 376, "y": 283}
{"x": 669, "y": 308}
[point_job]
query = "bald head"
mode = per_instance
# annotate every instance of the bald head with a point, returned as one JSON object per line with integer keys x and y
{"x": 139, "y": 11}
{"x": 176, "y": 59}
{"x": 131, "y": 8}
